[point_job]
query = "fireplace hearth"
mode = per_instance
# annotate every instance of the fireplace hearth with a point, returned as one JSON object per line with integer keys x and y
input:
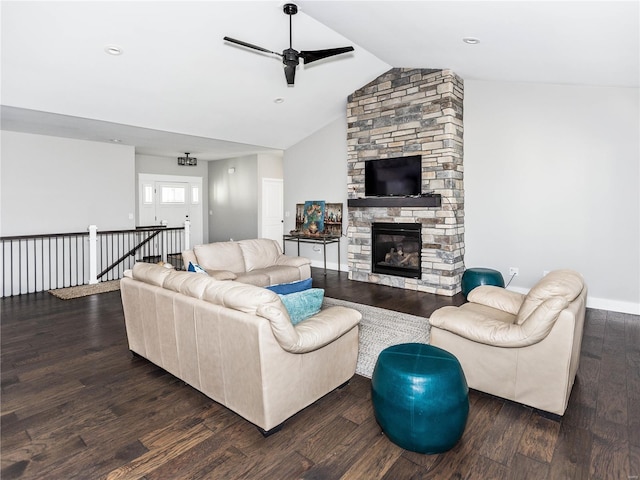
{"x": 396, "y": 249}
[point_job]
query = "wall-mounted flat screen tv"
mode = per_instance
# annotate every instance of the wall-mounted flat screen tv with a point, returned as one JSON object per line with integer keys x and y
{"x": 400, "y": 176}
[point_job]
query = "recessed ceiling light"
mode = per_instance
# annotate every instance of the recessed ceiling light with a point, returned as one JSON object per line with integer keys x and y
{"x": 278, "y": 100}
{"x": 116, "y": 140}
{"x": 471, "y": 40}
{"x": 113, "y": 50}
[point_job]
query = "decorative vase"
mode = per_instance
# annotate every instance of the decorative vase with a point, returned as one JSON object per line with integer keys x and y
{"x": 313, "y": 227}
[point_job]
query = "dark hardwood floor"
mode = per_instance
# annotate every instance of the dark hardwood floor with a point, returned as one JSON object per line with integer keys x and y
{"x": 76, "y": 404}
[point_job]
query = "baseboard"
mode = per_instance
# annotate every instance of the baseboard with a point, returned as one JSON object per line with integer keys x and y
{"x": 613, "y": 305}
{"x": 330, "y": 265}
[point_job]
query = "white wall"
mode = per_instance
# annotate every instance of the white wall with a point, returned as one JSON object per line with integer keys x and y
{"x": 59, "y": 185}
{"x": 316, "y": 169}
{"x": 233, "y": 199}
{"x": 270, "y": 165}
{"x": 552, "y": 181}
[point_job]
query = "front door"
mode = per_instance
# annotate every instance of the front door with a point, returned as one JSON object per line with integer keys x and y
{"x": 169, "y": 201}
{"x": 172, "y": 202}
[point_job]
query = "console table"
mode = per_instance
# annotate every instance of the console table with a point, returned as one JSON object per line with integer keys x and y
{"x": 319, "y": 239}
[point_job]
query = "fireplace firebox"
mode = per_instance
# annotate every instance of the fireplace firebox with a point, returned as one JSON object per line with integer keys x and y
{"x": 396, "y": 249}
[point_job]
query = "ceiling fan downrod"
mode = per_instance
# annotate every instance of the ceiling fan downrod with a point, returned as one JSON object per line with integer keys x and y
{"x": 290, "y": 9}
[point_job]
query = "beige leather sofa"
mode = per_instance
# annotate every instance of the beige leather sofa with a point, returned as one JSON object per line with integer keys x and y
{"x": 235, "y": 343}
{"x": 525, "y": 348}
{"x": 257, "y": 261}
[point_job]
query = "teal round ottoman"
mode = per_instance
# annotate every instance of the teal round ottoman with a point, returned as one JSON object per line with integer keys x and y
{"x": 420, "y": 397}
{"x": 474, "y": 277}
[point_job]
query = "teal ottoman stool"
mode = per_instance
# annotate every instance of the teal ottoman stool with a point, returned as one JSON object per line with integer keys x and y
{"x": 474, "y": 277}
{"x": 420, "y": 397}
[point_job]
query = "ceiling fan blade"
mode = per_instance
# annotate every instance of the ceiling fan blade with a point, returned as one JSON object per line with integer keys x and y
{"x": 313, "y": 55}
{"x": 290, "y": 73}
{"x": 249, "y": 45}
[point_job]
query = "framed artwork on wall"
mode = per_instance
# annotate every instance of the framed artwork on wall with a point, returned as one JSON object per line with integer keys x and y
{"x": 316, "y": 218}
{"x": 333, "y": 219}
{"x": 313, "y": 217}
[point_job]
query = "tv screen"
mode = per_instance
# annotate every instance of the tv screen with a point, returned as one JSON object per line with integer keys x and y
{"x": 401, "y": 176}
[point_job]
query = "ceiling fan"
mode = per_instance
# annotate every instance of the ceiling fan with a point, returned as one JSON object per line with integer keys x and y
{"x": 291, "y": 57}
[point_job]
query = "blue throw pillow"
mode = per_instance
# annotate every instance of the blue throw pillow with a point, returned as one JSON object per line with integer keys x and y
{"x": 196, "y": 268}
{"x": 304, "y": 304}
{"x": 285, "y": 288}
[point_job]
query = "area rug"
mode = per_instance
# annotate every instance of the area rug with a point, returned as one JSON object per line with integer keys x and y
{"x": 85, "y": 290}
{"x": 381, "y": 328}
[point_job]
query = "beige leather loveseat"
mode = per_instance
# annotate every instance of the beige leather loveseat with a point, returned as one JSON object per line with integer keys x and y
{"x": 525, "y": 348}
{"x": 235, "y": 343}
{"x": 258, "y": 261}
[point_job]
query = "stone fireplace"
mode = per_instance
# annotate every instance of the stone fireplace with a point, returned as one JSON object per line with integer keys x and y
{"x": 407, "y": 112}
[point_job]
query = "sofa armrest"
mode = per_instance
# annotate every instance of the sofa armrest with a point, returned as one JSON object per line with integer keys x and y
{"x": 325, "y": 327}
{"x": 481, "y": 328}
{"x": 497, "y": 297}
{"x": 313, "y": 333}
{"x": 292, "y": 261}
{"x": 476, "y": 327}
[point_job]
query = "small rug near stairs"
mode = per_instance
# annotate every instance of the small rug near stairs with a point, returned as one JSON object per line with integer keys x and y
{"x": 381, "y": 328}
{"x": 84, "y": 290}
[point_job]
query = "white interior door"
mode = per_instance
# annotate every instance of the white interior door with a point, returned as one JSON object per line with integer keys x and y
{"x": 272, "y": 209}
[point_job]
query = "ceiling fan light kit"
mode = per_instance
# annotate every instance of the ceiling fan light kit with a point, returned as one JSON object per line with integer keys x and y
{"x": 290, "y": 57}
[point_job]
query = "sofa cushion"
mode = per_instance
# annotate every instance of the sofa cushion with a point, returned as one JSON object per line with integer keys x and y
{"x": 304, "y": 304}
{"x": 220, "y": 256}
{"x": 222, "y": 274}
{"x": 188, "y": 284}
{"x": 258, "y": 278}
{"x": 280, "y": 274}
{"x": 566, "y": 284}
{"x": 150, "y": 273}
{"x": 239, "y": 296}
{"x": 259, "y": 253}
{"x": 292, "y": 287}
{"x": 175, "y": 279}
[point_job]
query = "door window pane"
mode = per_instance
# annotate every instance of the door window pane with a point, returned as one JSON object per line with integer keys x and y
{"x": 147, "y": 196}
{"x": 172, "y": 194}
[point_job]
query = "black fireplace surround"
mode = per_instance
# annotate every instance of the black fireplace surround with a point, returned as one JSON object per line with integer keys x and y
{"x": 396, "y": 249}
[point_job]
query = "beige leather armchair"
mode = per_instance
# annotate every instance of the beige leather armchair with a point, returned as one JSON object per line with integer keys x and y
{"x": 525, "y": 348}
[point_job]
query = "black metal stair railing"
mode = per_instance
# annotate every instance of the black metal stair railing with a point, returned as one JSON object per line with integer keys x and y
{"x": 35, "y": 263}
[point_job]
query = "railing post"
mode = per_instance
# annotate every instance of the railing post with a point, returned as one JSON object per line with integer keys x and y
{"x": 93, "y": 254}
{"x": 187, "y": 234}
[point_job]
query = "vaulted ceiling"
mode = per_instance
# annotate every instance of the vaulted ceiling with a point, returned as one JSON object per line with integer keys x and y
{"x": 177, "y": 86}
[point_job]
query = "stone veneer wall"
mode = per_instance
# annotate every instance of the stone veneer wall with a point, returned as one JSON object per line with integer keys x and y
{"x": 405, "y": 112}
